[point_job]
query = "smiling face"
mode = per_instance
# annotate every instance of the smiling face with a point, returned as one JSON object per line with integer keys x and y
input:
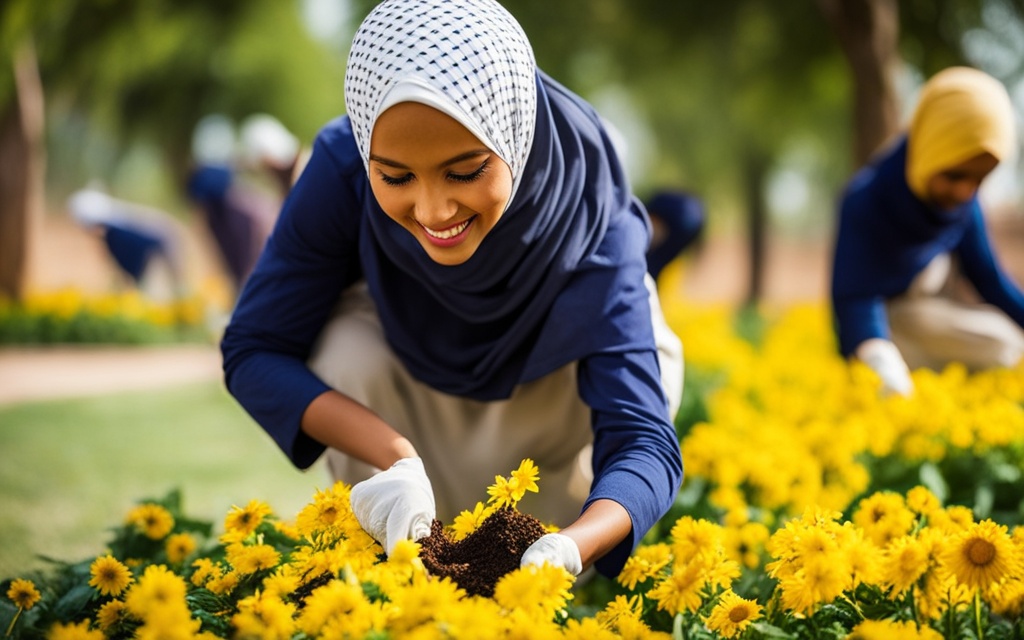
{"x": 956, "y": 185}
{"x": 433, "y": 177}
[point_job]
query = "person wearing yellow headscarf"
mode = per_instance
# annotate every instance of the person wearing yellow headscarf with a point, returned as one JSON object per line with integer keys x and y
{"x": 910, "y": 223}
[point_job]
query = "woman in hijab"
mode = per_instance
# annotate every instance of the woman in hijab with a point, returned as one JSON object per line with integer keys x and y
{"x": 911, "y": 220}
{"x": 457, "y": 282}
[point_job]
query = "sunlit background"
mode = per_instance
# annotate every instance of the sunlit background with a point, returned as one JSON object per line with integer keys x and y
{"x": 750, "y": 105}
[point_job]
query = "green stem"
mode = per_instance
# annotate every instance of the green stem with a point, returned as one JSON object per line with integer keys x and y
{"x": 977, "y": 614}
{"x": 10, "y": 627}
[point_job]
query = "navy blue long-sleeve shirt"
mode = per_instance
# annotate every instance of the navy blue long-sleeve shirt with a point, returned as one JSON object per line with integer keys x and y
{"x": 314, "y": 254}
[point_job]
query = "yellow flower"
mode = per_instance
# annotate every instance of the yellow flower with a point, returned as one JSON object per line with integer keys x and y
{"x": 110, "y": 614}
{"x": 242, "y": 521}
{"x": 905, "y": 561}
{"x": 406, "y": 552}
{"x": 247, "y": 559}
{"x": 819, "y": 581}
{"x": 338, "y": 608}
{"x": 223, "y": 584}
{"x": 681, "y": 591}
{"x": 526, "y": 476}
{"x": 888, "y": 629}
{"x": 646, "y": 562}
{"x": 152, "y": 520}
{"x": 922, "y": 501}
{"x": 732, "y": 614}
{"x": 264, "y": 617}
{"x": 691, "y": 537}
{"x": 109, "y": 576}
{"x": 619, "y": 608}
{"x": 327, "y": 512}
{"x": 74, "y": 631}
{"x": 502, "y": 493}
{"x": 157, "y": 588}
{"x": 205, "y": 571}
{"x": 469, "y": 521}
{"x": 545, "y": 589}
{"x": 982, "y": 556}
{"x": 23, "y": 594}
{"x": 179, "y": 546}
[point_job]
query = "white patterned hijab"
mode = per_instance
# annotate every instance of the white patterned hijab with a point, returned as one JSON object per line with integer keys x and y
{"x": 469, "y": 59}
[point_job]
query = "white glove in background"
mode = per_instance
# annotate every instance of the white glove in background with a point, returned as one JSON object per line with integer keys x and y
{"x": 884, "y": 358}
{"x": 555, "y": 549}
{"x": 396, "y": 504}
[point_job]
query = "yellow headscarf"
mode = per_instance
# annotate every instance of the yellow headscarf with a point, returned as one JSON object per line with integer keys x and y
{"x": 961, "y": 113}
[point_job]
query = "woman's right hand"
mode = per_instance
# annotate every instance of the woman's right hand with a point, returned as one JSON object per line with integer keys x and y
{"x": 395, "y": 504}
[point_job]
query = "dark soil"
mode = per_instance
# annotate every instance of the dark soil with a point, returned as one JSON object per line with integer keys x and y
{"x": 479, "y": 560}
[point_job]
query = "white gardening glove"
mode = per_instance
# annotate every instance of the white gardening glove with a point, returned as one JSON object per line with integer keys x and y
{"x": 555, "y": 549}
{"x": 882, "y": 357}
{"x": 395, "y": 504}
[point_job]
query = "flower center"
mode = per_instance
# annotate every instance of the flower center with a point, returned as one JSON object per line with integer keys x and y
{"x": 738, "y": 614}
{"x": 981, "y": 552}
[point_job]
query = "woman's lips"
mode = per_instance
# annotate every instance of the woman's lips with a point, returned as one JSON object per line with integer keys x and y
{"x": 447, "y": 236}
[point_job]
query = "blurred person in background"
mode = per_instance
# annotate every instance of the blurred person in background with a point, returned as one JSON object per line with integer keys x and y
{"x": 144, "y": 242}
{"x": 677, "y": 221}
{"x": 269, "y": 147}
{"x": 457, "y": 282}
{"x": 238, "y": 213}
{"x": 910, "y": 222}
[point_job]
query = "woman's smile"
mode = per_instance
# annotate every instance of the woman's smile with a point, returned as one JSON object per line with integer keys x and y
{"x": 448, "y": 236}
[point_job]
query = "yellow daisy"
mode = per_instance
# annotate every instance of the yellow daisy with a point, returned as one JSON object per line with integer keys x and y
{"x": 23, "y": 594}
{"x": 109, "y": 576}
{"x": 74, "y": 631}
{"x": 241, "y": 521}
{"x": 905, "y": 561}
{"x": 502, "y": 493}
{"x": 526, "y": 476}
{"x": 469, "y": 521}
{"x": 179, "y": 546}
{"x": 732, "y": 614}
{"x": 152, "y": 520}
{"x": 982, "y": 556}
{"x": 110, "y": 614}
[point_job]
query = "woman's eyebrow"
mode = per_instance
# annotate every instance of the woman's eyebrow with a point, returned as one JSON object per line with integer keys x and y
{"x": 450, "y": 161}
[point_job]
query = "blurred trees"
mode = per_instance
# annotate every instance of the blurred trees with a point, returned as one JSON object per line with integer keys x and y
{"x": 116, "y": 73}
{"x": 731, "y": 91}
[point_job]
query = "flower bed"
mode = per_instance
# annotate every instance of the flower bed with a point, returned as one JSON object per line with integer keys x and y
{"x": 813, "y": 508}
{"x": 69, "y": 316}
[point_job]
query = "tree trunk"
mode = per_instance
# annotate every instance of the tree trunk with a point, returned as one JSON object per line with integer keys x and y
{"x": 755, "y": 175}
{"x": 22, "y": 156}
{"x": 868, "y": 33}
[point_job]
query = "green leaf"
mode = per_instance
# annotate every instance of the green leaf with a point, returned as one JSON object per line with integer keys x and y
{"x": 73, "y": 601}
{"x": 931, "y": 478}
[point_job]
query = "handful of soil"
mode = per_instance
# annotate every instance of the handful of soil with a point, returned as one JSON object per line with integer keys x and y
{"x": 479, "y": 560}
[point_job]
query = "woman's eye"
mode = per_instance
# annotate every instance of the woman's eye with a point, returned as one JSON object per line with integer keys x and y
{"x": 395, "y": 181}
{"x": 469, "y": 177}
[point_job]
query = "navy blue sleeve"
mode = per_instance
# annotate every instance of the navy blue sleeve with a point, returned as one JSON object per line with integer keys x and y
{"x": 858, "y": 309}
{"x": 310, "y": 258}
{"x": 637, "y": 460}
{"x": 979, "y": 265}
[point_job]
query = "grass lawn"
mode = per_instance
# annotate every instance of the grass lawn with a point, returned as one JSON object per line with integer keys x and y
{"x": 73, "y": 468}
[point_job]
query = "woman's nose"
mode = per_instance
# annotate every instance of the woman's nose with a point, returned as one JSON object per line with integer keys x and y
{"x": 433, "y": 207}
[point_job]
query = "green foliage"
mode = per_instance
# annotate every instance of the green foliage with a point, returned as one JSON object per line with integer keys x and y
{"x": 20, "y": 326}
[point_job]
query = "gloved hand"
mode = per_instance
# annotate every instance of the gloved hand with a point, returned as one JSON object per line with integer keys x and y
{"x": 396, "y": 504}
{"x": 555, "y": 549}
{"x": 884, "y": 359}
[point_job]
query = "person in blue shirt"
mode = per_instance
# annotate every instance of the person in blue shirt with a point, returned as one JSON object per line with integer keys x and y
{"x": 456, "y": 282}
{"x": 144, "y": 242}
{"x": 677, "y": 219}
{"x": 909, "y": 222}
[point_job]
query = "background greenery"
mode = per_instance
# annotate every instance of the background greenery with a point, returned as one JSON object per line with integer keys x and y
{"x": 73, "y": 468}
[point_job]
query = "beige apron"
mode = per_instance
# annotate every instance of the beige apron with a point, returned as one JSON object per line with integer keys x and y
{"x": 465, "y": 443}
{"x": 933, "y": 325}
